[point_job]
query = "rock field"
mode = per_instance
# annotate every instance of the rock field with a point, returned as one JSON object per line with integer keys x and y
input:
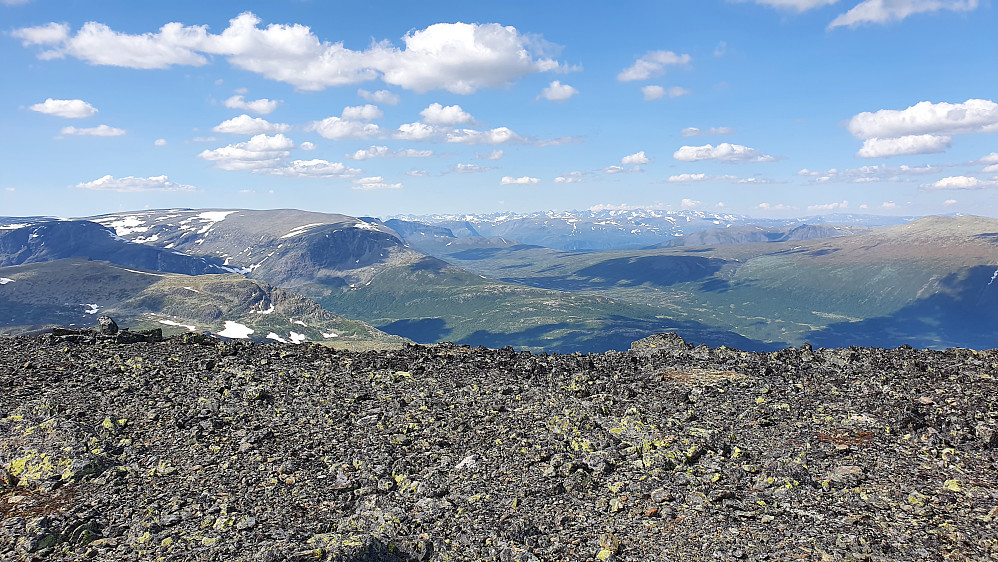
{"x": 195, "y": 449}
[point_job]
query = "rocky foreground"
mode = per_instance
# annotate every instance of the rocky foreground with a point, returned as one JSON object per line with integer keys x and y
{"x": 191, "y": 449}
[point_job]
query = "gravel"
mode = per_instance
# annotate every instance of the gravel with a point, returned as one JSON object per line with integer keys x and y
{"x": 195, "y": 449}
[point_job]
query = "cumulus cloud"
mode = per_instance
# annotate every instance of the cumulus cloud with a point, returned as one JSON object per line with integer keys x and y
{"x": 373, "y": 183}
{"x": 311, "y": 169}
{"x": 651, "y": 64}
{"x": 694, "y": 178}
{"x": 261, "y": 106}
{"x": 71, "y": 109}
{"x": 307, "y": 146}
{"x": 458, "y": 57}
{"x": 494, "y": 155}
{"x": 910, "y": 144}
{"x": 971, "y": 116}
{"x": 796, "y": 5}
{"x": 416, "y": 132}
{"x": 246, "y": 125}
{"x": 525, "y": 180}
{"x": 960, "y": 182}
{"x": 570, "y": 177}
{"x": 949, "y": 202}
{"x": 690, "y": 203}
{"x": 98, "y": 131}
{"x": 829, "y": 206}
{"x": 658, "y": 92}
{"x": 380, "y": 96}
{"x": 888, "y": 205}
{"x": 130, "y": 184}
{"x": 258, "y": 153}
{"x": 337, "y": 128}
{"x": 417, "y": 173}
{"x": 635, "y": 159}
{"x": 366, "y": 112}
{"x": 724, "y": 152}
{"x": 437, "y": 114}
{"x": 885, "y": 11}
{"x": 775, "y": 207}
{"x": 498, "y": 135}
{"x": 159, "y": 142}
{"x": 695, "y": 132}
{"x": 384, "y": 152}
{"x": 556, "y": 91}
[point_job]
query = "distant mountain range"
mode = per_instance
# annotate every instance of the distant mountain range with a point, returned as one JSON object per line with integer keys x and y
{"x": 716, "y": 279}
{"x": 611, "y": 229}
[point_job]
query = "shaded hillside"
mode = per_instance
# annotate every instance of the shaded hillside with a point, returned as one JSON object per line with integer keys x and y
{"x": 74, "y": 292}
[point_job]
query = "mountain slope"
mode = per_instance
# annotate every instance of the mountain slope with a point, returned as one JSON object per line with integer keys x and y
{"x": 73, "y": 291}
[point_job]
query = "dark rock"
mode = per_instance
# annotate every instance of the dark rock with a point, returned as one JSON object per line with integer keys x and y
{"x": 106, "y": 326}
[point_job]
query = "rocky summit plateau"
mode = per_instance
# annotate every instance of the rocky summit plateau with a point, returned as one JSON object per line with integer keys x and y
{"x": 197, "y": 449}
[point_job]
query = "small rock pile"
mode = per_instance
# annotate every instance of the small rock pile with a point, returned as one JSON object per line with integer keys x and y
{"x": 195, "y": 449}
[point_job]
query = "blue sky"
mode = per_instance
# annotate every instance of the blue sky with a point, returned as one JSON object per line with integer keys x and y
{"x": 767, "y": 108}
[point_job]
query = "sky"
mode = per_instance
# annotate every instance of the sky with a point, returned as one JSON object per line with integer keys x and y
{"x": 766, "y": 108}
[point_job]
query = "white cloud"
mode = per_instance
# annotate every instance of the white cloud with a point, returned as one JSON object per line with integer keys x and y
{"x": 869, "y": 174}
{"x": 71, "y": 109}
{"x": 458, "y": 57}
{"x": 724, "y": 152}
{"x": 556, "y": 91}
{"x": 690, "y": 203}
{"x": 525, "y": 180}
{"x": 437, "y": 114}
{"x": 991, "y": 169}
{"x": 417, "y": 173}
{"x": 131, "y": 184}
{"x": 246, "y": 125}
{"x": 910, "y": 144}
{"x": 949, "y": 202}
{"x": 960, "y": 182}
{"x": 990, "y": 159}
{"x": 380, "y": 96}
{"x": 366, "y": 112}
{"x": 653, "y": 63}
{"x": 776, "y": 207}
{"x": 657, "y": 92}
{"x": 261, "y": 106}
{"x": 971, "y": 116}
{"x": 494, "y": 155}
{"x": 258, "y": 153}
{"x": 469, "y": 169}
{"x": 14, "y": 2}
{"x": 570, "y": 177}
{"x": 312, "y": 169}
{"x": 336, "y": 128}
{"x": 416, "y": 132}
{"x": 888, "y": 204}
{"x": 373, "y": 183}
{"x": 693, "y": 178}
{"x": 796, "y": 5}
{"x": 98, "y": 131}
{"x": 159, "y": 142}
{"x": 498, "y": 135}
{"x": 721, "y": 49}
{"x": 307, "y": 146}
{"x": 884, "y": 11}
{"x": 635, "y": 159}
{"x": 695, "y": 132}
{"x": 384, "y": 152}
{"x": 829, "y": 206}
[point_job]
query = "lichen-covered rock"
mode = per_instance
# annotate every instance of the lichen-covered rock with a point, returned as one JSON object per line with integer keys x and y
{"x": 193, "y": 450}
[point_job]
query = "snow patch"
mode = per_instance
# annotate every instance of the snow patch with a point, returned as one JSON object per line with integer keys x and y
{"x": 275, "y": 337}
{"x": 235, "y": 330}
{"x": 330, "y": 335}
{"x": 193, "y": 289}
{"x": 367, "y": 226}
{"x": 993, "y": 277}
{"x": 13, "y": 226}
{"x": 178, "y": 324}
{"x": 93, "y": 308}
{"x": 127, "y": 225}
{"x": 296, "y": 337}
{"x": 297, "y": 231}
{"x": 5, "y": 280}
{"x": 268, "y": 311}
{"x": 300, "y": 323}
